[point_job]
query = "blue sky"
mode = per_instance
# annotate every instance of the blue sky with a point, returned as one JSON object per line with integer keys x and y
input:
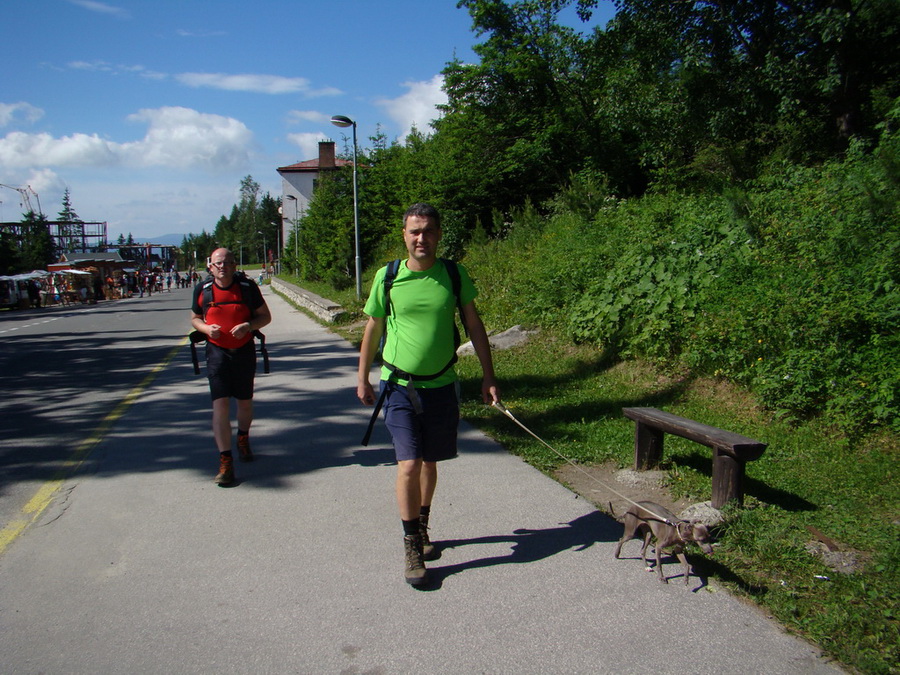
{"x": 151, "y": 112}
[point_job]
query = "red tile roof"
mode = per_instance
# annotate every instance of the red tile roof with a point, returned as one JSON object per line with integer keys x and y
{"x": 313, "y": 165}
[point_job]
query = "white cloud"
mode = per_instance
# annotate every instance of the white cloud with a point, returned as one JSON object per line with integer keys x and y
{"x": 102, "y": 8}
{"x": 14, "y": 112}
{"x": 247, "y": 82}
{"x": 202, "y": 33}
{"x": 298, "y": 116}
{"x": 417, "y": 107}
{"x": 100, "y": 66}
{"x": 183, "y": 138}
{"x": 178, "y": 138}
{"x": 45, "y": 181}
{"x": 19, "y": 149}
{"x": 308, "y": 144}
{"x": 263, "y": 84}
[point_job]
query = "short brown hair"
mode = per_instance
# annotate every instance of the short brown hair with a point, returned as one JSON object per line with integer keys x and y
{"x": 422, "y": 210}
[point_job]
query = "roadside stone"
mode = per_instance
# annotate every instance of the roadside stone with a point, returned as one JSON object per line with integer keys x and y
{"x": 508, "y": 339}
{"x": 704, "y": 512}
{"x": 323, "y": 308}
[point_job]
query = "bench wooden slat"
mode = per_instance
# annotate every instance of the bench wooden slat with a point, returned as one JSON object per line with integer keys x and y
{"x": 740, "y": 446}
{"x": 731, "y": 451}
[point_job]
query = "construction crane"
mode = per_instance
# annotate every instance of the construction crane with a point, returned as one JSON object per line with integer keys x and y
{"x": 26, "y": 200}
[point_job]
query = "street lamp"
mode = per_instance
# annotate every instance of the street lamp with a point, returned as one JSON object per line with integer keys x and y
{"x": 296, "y": 229}
{"x": 265, "y": 253}
{"x": 342, "y": 121}
{"x": 280, "y": 248}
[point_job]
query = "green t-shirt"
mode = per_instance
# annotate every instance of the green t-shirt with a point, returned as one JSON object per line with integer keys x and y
{"x": 420, "y": 327}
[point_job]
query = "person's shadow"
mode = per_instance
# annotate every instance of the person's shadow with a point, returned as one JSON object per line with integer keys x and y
{"x": 528, "y": 545}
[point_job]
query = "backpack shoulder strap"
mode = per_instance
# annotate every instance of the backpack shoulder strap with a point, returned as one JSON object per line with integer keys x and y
{"x": 206, "y": 296}
{"x": 389, "y": 275}
{"x": 453, "y": 271}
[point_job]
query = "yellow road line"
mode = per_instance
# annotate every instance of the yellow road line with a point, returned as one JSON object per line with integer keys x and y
{"x": 45, "y": 494}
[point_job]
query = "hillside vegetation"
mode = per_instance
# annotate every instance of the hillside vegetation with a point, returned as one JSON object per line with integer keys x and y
{"x": 789, "y": 286}
{"x": 697, "y": 205}
{"x": 771, "y": 312}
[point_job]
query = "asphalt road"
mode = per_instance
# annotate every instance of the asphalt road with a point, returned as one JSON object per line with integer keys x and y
{"x": 135, "y": 562}
{"x": 63, "y": 370}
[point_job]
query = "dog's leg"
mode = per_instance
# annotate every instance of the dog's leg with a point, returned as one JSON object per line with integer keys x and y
{"x": 684, "y": 563}
{"x": 647, "y": 536}
{"x": 630, "y": 527}
{"x": 659, "y": 569}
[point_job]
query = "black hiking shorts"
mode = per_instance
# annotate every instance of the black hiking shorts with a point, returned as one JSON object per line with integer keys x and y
{"x": 231, "y": 371}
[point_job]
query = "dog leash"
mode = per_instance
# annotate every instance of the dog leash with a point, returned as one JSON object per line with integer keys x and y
{"x": 502, "y": 408}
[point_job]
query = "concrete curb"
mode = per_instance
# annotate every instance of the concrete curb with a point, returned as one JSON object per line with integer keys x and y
{"x": 323, "y": 308}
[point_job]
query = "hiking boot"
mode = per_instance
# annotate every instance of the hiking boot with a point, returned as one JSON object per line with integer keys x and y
{"x": 416, "y": 574}
{"x": 429, "y": 552}
{"x": 226, "y": 471}
{"x": 243, "y": 446}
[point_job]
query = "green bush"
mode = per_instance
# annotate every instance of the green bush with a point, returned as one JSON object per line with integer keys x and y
{"x": 789, "y": 286}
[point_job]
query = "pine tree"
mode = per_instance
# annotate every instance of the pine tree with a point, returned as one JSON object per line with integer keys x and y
{"x": 69, "y": 231}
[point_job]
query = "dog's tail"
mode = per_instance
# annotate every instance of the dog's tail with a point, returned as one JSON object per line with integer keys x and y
{"x": 612, "y": 512}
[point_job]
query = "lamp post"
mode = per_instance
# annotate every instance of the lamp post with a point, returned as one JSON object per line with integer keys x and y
{"x": 343, "y": 121}
{"x": 265, "y": 253}
{"x": 296, "y": 228}
{"x": 280, "y": 248}
{"x": 241, "y": 246}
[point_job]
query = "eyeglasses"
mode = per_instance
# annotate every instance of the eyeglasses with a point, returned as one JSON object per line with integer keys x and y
{"x": 220, "y": 265}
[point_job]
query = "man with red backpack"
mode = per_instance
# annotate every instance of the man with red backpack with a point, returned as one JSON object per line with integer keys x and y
{"x": 227, "y": 309}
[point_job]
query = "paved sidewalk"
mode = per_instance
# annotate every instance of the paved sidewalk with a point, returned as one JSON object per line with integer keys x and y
{"x": 143, "y": 565}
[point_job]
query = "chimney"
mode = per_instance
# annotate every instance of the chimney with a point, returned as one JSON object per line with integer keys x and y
{"x": 326, "y": 155}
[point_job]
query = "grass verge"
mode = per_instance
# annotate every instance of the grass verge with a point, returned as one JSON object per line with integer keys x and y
{"x": 817, "y": 543}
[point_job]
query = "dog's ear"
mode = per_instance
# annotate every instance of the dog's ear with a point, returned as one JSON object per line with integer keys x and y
{"x": 699, "y": 532}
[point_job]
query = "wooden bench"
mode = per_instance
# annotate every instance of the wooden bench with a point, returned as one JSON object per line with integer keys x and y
{"x": 730, "y": 451}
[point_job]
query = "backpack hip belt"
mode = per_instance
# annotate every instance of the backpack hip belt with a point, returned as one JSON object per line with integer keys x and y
{"x": 390, "y": 274}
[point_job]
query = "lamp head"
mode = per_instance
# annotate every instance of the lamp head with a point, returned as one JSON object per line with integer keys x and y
{"x": 341, "y": 121}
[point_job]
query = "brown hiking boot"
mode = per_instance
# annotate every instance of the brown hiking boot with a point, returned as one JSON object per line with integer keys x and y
{"x": 416, "y": 574}
{"x": 429, "y": 552}
{"x": 226, "y": 471}
{"x": 243, "y": 446}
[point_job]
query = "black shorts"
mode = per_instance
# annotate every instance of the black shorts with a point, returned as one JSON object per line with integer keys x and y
{"x": 430, "y": 436}
{"x": 231, "y": 371}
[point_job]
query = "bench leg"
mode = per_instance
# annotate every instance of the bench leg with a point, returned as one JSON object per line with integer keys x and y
{"x": 727, "y": 479}
{"x": 648, "y": 446}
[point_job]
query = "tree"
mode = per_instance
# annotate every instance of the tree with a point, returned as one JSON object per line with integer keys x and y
{"x": 796, "y": 78}
{"x": 194, "y": 250}
{"x": 38, "y": 249}
{"x": 326, "y": 231}
{"x": 269, "y": 223}
{"x": 10, "y": 258}
{"x": 69, "y": 231}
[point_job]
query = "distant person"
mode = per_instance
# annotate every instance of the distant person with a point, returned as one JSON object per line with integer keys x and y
{"x": 228, "y": 321}
{"x": 34, "y": 293}
{"x": 420, "y": 350}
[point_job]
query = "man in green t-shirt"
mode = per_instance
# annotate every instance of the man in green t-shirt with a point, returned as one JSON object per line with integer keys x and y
{"x": 418, "y": 382}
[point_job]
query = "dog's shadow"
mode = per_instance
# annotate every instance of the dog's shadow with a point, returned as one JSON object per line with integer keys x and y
{"x": 529, "y": 545}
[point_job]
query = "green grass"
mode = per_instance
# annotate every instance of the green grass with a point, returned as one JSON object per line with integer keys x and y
{"x": 573, "y": 395}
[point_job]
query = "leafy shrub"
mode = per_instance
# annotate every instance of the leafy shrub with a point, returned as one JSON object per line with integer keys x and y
{"x": 790, "y": 286}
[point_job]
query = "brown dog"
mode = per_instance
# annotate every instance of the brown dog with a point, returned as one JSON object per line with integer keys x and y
{"x": 650, "y": 519}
